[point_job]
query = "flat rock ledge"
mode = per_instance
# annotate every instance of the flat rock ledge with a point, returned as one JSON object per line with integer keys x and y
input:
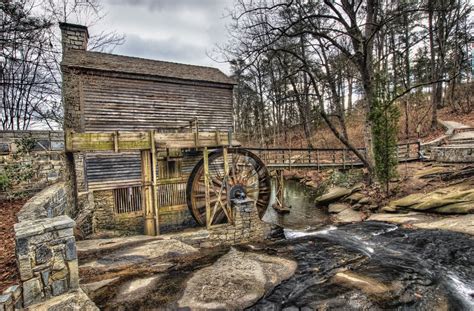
{"x": 235, "y": 281}
{"x": 72, "y": 301}
{"x": 127, "y": 257}
{"x": 458, "y": 223}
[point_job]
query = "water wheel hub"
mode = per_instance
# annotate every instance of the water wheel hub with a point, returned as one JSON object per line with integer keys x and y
{"x": 237, "y": 192}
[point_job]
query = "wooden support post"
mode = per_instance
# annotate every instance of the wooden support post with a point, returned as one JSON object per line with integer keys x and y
{"x": 309, "y": 156}
{"x": 206, "y": 186}
{"x": 196, "y": 133}
{"x": 229, "y": 213}
{"x": 229, "y": 137}
{"x": 68, "y": 139}
{"x": 116, "y": 143}
{"x": 156, "y": 208}
{"x": 147, "y": 192}
{"x": 317, "y": 159}
{"x": 280, "y": 191}
{"x": 289, "y": 157}
{"x": 344, "y": 159}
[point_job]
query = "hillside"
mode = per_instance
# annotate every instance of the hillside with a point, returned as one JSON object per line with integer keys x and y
{"x": 419, "y": 115}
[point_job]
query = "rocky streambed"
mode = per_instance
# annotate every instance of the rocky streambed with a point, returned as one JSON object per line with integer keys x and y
{"x": 361, "y": 266}
{"x": 316, "y": 264}
{"x": 374, "y": 266}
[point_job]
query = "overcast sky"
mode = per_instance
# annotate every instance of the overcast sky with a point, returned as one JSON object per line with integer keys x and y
{"x": 182, "y": 31}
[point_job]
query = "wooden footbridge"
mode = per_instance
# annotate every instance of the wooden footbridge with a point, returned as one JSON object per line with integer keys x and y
{"x": 323, "y": 158}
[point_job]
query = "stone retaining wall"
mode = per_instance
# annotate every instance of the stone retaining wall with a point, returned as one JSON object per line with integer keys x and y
{"x": 45, "y": 252}
{"x": 46, "y": 258}
{"x": 454, "y": 154}
{"x": 43, "y": 165}
{"x": 49, "y": 203}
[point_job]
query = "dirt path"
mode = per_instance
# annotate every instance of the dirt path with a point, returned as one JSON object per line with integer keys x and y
{"x": 452, "y": 125}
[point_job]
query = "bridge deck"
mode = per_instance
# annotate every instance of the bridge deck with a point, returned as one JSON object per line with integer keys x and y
{"x": 326, "y": 165}
{"x": 321, "y": 158}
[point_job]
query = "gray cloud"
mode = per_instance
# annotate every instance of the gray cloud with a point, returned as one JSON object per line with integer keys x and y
{"x": 172, "y": 4}
{"x": 163, "y": 49}
{"x": 171, "y": 30}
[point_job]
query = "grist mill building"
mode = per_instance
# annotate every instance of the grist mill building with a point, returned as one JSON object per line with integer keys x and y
{"x": 107, "y": 93}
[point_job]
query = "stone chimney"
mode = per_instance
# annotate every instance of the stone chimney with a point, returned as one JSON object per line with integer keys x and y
{"x": 74, "y": 37}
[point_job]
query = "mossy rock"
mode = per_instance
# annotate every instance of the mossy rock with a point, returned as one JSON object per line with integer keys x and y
{"x": 407, "y": 201}
{"x": 332, "y": 195}
{"x": 457, "y": 208}
{"x": 355, "y": 197}
{"x": 337, "y": 207}
{"x": 450, "y": 200}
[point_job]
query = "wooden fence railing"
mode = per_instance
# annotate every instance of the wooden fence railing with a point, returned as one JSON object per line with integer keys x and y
{"x": 325, "y": 157}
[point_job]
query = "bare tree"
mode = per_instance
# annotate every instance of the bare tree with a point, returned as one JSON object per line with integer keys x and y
{"x": 31, "y": 54}
{"x": 367, "y": 43}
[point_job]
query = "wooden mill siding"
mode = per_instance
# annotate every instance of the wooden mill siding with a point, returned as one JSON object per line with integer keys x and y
{"x": 114, "y": 103}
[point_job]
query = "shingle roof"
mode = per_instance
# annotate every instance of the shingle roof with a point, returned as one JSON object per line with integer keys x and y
{"x": 141, "y": 66}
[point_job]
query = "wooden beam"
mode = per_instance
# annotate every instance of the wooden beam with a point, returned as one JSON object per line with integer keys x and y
{"x": 206, "y": 186}
{"x": 230, "y": 216}
{"x": 147, "y": 192}
{"x": 134, "y": 141}
{"x": 155, "y": 189}
{"x": 116, "y": 143}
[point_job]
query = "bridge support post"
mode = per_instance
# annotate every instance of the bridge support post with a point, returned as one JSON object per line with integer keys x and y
{"x": 279, "y": 204}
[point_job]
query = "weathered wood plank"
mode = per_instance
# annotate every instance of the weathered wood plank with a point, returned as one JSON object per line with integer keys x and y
{"x": 129, "y": 141}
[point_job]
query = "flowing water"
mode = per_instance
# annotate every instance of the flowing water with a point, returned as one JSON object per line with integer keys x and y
{"x": 418, "y": 269}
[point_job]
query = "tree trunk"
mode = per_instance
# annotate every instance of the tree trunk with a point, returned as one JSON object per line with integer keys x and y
{"x": 349, "y": 94}
{"x": 367, "y": 72}
{"x": 434, "y": 97}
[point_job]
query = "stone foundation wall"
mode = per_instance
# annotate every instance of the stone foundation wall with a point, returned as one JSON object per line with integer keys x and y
{"x": 105, "y": 218}
{"x": 247, "y": 226}
{"x": 175, "y": 219}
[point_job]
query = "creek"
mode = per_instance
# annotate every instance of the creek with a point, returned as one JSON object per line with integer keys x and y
{"x": 303, "y": 212}
{"x": 416, "y": 269}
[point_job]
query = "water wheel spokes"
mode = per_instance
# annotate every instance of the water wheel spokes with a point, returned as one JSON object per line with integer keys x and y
{"x": 232, "y": 173}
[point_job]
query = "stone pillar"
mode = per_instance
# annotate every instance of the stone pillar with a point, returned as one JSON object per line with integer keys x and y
{"x": 73, "y": 38}
{"x": 46, "y": 258}
{"x": 247, "y": 225}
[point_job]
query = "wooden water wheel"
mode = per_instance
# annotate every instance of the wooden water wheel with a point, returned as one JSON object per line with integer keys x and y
{"x": 232, "y": 173}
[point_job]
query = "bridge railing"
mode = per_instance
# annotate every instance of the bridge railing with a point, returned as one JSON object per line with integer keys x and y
{"x": 325, "y": 157}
